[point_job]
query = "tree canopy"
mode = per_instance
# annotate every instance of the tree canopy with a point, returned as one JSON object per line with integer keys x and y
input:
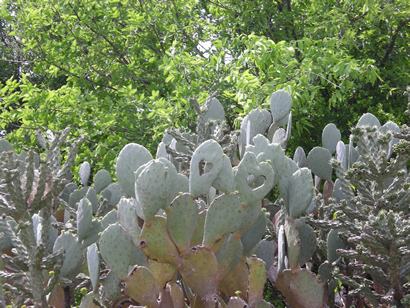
{"x": 120, "y": 71}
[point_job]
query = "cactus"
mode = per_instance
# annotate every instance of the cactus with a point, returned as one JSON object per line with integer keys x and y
{"x": 370, "y": 190}
{"x": 192, "y": 226}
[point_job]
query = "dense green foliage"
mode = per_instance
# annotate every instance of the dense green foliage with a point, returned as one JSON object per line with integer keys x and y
{"x": 122, "y": 71}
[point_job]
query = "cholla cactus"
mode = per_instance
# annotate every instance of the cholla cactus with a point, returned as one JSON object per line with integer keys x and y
{"x": 368, "y": 216}
{"x": 30, "y": 186}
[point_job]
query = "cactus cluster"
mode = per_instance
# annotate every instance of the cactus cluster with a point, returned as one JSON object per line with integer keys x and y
{"x": 366, "y": 216}
{"x": 212, "y": 218}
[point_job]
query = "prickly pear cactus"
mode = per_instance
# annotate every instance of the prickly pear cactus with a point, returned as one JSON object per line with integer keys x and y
{"x": 198, "y": 233}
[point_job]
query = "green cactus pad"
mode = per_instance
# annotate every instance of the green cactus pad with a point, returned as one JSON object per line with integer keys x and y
{"x": 84, "y": 219}
{"x": 319, "y": 162}
{"x": 325, "y": 271}
{"x": 265, "y": 250}
{"x": 229, "y": 254}
{"x": 155, "y": 186}
{"x": 182, "y": 218}
{"x": 84, "y": 172}
{"x": 254, "y": 234}
{"x": 209, "y": 152}
{"x": 131, "y": 157}
{"x": 101, "y": 180}
{"x": 334, "y": 242}
{"x": 257, "y": 279}
{"x": 118, "y": 250}
{"x": 176, "y": 294}
{"x": 73, "y": 254}
{"x": 198, "y": 234}
{"x": 300, "y": 192}
{"x": 301, "y": 288}
{"x": 225, "y": 215}
{"x": 93, "y": 263}
{"x": 249, "y": 166}
{"x": 163, "y": 272}
{"x": 308, "y": 241}
{"x": 200, "y": 271}
{"x": 141, "y": 286}
{"x": 330, "y": 137}
{"x": 156, "y": 242}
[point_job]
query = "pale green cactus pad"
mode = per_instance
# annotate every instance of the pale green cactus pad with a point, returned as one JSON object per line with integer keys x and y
{"x": 330, "y": 137}
{"x": 73, "y": 254}
{"x": 250, "y": 167}
{"x": 85, "y": 224}
{"x": 101, "y": 180}
{"x": 93, "y": 263}
{"x": 225, "y": 215}
{"x": 368, "y": 119}
{"x": 209, "y": 152}
{"x": 253, "y": 235}
{"x": 182, "y": 218}
{"x": 131, "y": 157}
{"x": 280, "y": 105}
{"x": 229, "y": 254}
{"x": 300, "y": 192}
{"x": 84, "y": 172}
{"x": 319, "y": 162}
{"x": 118, "y": 250}
{"x": 128, "y": 219}
{"x": 334, "y": 242}
{"x": 299, "y": 157}
{"x": 156, "y": 186}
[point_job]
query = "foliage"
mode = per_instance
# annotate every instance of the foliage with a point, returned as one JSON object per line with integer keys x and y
{"x": 101, "y": 66}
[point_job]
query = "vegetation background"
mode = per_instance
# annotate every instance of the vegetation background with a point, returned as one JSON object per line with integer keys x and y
{"x": 121, "y": 71}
